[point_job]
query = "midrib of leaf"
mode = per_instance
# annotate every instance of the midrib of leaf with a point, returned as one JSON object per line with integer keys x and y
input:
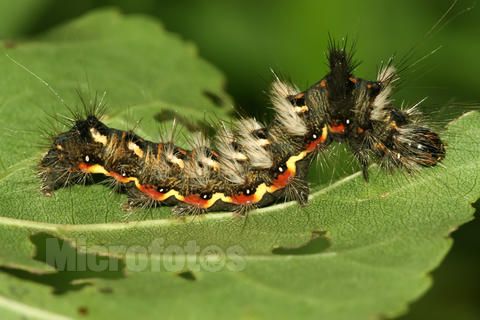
{"x": 425, "y": 179}
{"x": 161, "y": 222}
{"x": 29, "y": 311}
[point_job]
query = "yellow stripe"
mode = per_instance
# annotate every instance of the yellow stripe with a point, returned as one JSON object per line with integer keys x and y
{"x": 301, "y": 109}
{"x": 98, "y": 137}
{"x": 136, "y": 149}
{"x": 96, "y": 168}
{"x": 177, "y": 161}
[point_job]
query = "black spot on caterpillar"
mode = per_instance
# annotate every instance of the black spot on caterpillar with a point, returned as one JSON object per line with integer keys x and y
{"x": 249, "y": 164}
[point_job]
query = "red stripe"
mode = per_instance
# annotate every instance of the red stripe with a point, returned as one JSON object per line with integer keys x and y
{"x": 196, "y": 200}
{"x": 313, "y": 145}
{"x": 152, "y": 192}
{"x": 243, "y": 199}
{"x": 338, "y": 128}
{"x": 83, "y": 166}
{"x": 283, "y": 179}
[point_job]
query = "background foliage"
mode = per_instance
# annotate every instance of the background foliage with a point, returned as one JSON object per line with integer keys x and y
{"x": 245, "y": 38}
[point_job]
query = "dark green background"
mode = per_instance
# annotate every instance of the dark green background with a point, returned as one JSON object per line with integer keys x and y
{"x": 246, "y": 38}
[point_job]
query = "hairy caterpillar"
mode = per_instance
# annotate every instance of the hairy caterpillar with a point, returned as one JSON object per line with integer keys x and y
{"x": 251, "y": 165}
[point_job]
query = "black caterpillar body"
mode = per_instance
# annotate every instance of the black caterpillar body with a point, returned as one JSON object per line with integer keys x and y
{"x": 251, "y": 165}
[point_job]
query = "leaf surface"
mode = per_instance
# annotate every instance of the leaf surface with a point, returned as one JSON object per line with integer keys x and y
{"x": 356, "y": 251}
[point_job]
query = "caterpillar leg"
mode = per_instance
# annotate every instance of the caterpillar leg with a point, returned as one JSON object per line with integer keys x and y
{"x": 298, "y": 188}
{"x": 364, "y": 158}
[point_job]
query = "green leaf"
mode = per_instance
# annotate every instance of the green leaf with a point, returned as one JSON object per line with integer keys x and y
{"x": 356, "y": 251}
{"x": 17, "y": 17}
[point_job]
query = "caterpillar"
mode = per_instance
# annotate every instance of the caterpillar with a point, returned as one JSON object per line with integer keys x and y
{"x": 250, "y": 165}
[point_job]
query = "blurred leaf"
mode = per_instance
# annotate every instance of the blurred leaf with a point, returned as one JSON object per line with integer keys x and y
{"x": 356, "y": 251}
{"x": 15, "y": 16}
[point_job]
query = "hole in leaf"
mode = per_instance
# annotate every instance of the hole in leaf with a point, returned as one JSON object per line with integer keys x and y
{"x": 83, "y": 311}
{"x": 57, "y": 281}
{"x": 187, "y": 275}
{"x": 73, "y": 267}
{"x": 214, "y": 98}
{"x": 476, "y": 206}
{"x": 317, "y": 244}
{"x": 105, "y": 290}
